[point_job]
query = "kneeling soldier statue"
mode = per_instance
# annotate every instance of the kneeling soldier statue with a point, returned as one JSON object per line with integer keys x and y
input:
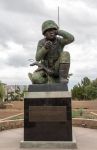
{"x": 53, "y": 63}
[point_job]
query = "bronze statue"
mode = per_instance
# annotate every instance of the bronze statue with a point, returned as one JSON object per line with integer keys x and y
{"x": 53, "y": 63}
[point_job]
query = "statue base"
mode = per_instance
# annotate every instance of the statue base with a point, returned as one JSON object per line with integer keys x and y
{"x": 47, "y": 113}
{"x": 50, "y": 144}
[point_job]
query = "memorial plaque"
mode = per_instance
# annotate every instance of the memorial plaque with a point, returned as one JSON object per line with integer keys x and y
{"x": 47, "y": 114}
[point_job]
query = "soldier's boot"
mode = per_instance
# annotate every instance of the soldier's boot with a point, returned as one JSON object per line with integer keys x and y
{"x": 63, "y": 72}
{"x": 64, "y": 66}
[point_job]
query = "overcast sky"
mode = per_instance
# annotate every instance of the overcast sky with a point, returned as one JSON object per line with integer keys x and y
{"x": 20, "y": 31}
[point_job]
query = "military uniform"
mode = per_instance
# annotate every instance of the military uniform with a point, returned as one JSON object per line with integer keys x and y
{"x": 52, "y": 58}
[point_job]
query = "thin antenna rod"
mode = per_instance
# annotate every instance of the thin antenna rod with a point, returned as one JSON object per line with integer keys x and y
{"x": 58, "y": 17}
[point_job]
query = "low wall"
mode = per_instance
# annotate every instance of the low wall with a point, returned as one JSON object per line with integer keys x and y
{"x": 84, "y": 104}
{"x": 87, "y": 123}
{"x": 19, "y": 123}
{"x": 8, "y": 106}
{"x": 11, "y": 124}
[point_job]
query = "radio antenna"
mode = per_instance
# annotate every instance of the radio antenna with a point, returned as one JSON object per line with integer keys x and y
{"x": 58, "y": 17}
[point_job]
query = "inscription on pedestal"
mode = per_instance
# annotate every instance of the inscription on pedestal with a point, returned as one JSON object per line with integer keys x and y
{"x": 47, "y": 114}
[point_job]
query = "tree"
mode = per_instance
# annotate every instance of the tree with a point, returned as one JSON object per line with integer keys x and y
{"x": 2, "y": 92}
{"x": 91, "y": 92}
{"x": 86, "y": 81}
{"x": 86, "y": 90}
{"x": 94, "y": 82}
{"x": 78, "y": 92}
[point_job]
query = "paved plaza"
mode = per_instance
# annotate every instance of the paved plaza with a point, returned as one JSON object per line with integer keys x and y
{"x": 86, "y": 139}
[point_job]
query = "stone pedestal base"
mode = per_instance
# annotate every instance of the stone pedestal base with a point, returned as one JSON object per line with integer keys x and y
{"x": 47, "y": 113}
{"x": 50, "y": 144}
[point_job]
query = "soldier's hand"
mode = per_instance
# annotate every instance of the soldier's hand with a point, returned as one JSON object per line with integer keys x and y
{"x": 48, "y": 44}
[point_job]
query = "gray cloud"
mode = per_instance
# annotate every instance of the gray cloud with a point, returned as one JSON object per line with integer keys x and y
{"x": 17, "y": 60}
{"x": 23, "y": 28}
{"x": 80, "y": 20}
{"x": 91, "y": 3}
{"x": 24, "y": 6}
{"x": 20, "y": 22}
{"x": 20, "y": 58}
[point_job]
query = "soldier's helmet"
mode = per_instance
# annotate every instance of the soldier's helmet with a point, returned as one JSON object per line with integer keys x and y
{"x": 49, "y": 24}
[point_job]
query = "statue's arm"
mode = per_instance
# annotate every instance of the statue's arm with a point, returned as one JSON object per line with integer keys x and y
{"x": 67, "y": 37}
{"x": 41, "y": 51}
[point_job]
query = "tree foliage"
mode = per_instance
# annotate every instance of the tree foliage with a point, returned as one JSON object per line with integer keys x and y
{"x": 2, "y": 92}
{"x": 86, "y": 90}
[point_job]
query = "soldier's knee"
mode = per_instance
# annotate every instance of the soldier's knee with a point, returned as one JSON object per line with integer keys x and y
{"x": 33, "y": 77}
{"x": 36, "y": 77}
{"x": 65, "y": 57}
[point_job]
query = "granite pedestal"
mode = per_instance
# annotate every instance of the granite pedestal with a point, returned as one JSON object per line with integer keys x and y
{"x": 47, "y": 116}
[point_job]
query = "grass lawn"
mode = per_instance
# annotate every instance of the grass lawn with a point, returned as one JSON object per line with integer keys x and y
{"x": 82, "y": 113}
{"x": 78, "y": 113}
{"x": 17, "y": 117}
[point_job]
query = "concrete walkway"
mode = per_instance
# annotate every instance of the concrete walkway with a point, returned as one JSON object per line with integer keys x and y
{"x": 86, "y": 139}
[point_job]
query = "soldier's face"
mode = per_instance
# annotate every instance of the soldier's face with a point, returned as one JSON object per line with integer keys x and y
{"x": 50, "y": 34}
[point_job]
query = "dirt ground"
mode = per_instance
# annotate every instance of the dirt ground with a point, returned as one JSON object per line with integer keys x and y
{"x": 18, "y": 107}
